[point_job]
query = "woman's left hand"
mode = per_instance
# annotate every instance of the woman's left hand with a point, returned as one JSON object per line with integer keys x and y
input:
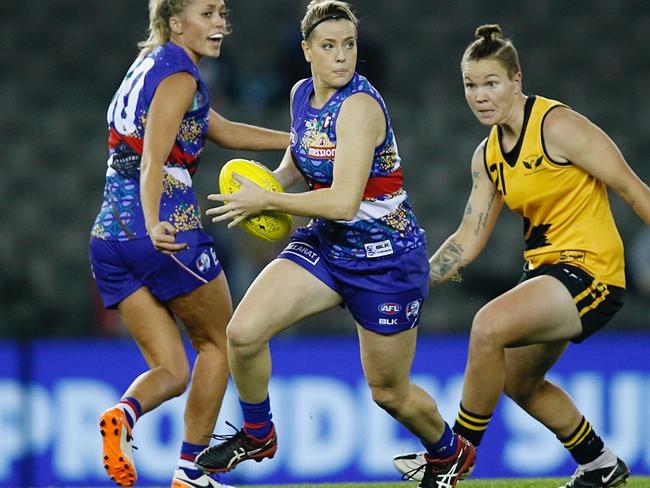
{"x": 248, "y": 201}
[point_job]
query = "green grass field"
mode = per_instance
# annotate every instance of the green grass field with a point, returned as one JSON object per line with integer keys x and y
{"x": 633, "y": 482}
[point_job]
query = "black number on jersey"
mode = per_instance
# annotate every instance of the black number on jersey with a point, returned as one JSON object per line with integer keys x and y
{"x": 498, "y": 178}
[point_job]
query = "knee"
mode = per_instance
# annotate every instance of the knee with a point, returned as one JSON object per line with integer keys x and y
{"x": 485, "y": 331}
{"x": 241, "y": 336}
{"x": 179, "y": 377}
{"x": 179, "y": 387}
{"x": 388, "y": 398}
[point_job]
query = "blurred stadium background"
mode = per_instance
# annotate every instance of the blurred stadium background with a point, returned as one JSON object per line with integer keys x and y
{"x": 62, "y": 60}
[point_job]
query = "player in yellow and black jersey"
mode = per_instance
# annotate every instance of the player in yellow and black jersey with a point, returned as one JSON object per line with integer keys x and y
{"x": 552, "y": 166}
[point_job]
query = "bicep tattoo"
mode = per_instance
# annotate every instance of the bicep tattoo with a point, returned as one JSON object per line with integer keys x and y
{"x": 475, "y": 176}
{"x": 483, "y": 216}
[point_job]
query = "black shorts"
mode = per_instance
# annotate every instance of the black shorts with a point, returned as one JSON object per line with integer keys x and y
{"x": 597, "y": 302}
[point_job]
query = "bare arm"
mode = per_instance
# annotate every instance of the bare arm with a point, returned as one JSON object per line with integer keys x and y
{"x": 287, "y": 173}
{"x": 360, "y": 127}
{"x": 480, "y": 216}
{"x": 591, "y": 149}
{"x": 235, "y": 135}
{"x": 170, "y": 103}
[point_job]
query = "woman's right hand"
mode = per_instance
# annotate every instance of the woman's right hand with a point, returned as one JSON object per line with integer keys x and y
{"x": 163, "y": 237}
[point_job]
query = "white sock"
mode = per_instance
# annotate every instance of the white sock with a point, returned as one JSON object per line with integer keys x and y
{"x": 127, "y": 409}
{"x": 186, "y": 464}
{"x": 606, "y": 459}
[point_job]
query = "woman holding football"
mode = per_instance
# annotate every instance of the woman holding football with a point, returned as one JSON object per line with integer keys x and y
{"x": 362, "y": 249}
{"x": 149, "y": 255}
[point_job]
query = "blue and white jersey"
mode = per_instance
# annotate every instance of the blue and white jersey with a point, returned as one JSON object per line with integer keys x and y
{"x": 385, "y": 224}
{"x": 121, "y": 217}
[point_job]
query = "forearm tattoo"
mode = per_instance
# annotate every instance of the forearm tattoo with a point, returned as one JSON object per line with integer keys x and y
{"x": 446, "y": 260}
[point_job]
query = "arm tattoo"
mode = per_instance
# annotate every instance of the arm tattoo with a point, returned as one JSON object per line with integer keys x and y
{"x": 448, "y": 259}
{"x": 475, "y": 176}
{"x": 483, "y": 217}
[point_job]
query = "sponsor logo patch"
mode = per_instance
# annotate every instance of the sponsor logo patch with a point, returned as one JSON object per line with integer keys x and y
{"x": 321, "y": 152}
{"x": 378, "y": 249}
{"x": 318, "y": 143}
{"x": 572, "y": 256}
{"x": 304, "y": 251}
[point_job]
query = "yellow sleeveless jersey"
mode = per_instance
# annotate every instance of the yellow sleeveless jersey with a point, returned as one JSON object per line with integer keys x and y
{"x": 567, "y": 218}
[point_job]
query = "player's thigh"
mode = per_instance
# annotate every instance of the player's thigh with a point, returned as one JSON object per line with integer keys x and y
{"x": 537, "y": 310}
{"x": 526, "y": 366}
{"x": 154, "y": 329}
{"x": 281, "y": 295}
{"x": 386, "y": 359}
{"x": 205, "y": 311}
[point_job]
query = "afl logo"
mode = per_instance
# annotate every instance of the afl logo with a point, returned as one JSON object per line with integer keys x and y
{"x": 390, "y": 308}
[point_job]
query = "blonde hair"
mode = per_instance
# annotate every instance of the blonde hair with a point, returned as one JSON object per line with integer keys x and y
{"x": 321, "y": 10}
{"x": 160, "y": 11}
{"x": 490, "y": 43}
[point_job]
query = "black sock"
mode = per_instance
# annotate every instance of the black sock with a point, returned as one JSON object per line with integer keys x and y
{"x": 471, "y": 425}
{"x": 583, "y": 443}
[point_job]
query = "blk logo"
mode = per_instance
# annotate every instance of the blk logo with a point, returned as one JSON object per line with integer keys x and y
{"x": 387, "y": 321}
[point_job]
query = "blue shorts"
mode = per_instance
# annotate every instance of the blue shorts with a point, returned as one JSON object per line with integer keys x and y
{"x": 122, "y": 267}
{"x": 384, "y": 295}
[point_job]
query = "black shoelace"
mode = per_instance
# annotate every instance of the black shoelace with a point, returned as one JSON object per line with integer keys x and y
{"x": 410, "y": 475}
{"x": 229, "y": 438}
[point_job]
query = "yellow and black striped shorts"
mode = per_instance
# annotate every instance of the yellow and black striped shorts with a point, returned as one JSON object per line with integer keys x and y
{"x": 597, "y": 302}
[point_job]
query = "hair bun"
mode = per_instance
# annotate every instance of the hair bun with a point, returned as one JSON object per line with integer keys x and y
{"x": 489, "y": 32}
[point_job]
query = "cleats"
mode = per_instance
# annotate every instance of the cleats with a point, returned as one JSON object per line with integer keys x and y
{"x": 118, "y": 447}
{"x": 410, "y": 465}
{"x": 609, "y": 477}
{"x": 182, "y": 480}
{"x": 234, "y": 449}
{"x": 446, "y": 473}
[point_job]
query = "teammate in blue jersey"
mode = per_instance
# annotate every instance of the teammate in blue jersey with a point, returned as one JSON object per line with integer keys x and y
{"x": 363, "y": 249}
{"x": 150, "y": 257}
